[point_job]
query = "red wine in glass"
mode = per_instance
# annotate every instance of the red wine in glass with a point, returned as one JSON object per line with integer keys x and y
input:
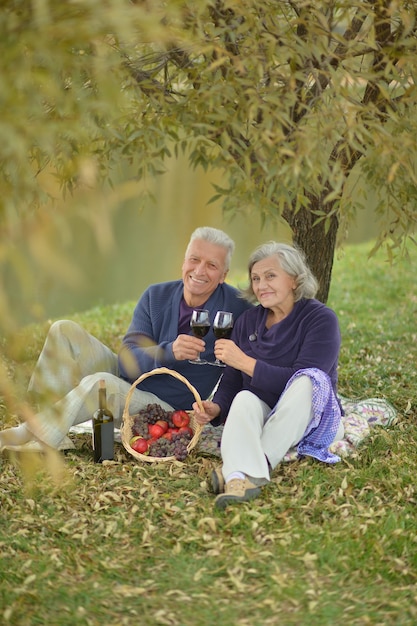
{"x": 200, "y": 325}
{"x": 222, "y": 333}
{"x": 200, "y": 331}
{"x": 222, "y": 329}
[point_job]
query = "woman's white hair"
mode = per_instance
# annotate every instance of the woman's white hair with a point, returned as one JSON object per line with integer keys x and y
{"x": 292, "y": 261}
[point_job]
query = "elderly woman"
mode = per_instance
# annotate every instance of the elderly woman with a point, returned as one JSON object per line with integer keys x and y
{"x": 279, "y": 387}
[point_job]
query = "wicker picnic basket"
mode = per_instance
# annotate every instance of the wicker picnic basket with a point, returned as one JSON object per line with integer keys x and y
{"x": 127, "y": 422}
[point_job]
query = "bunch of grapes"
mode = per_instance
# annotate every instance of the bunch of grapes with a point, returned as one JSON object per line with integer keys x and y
{"x": 177, "y": 446}
{"x": 180, "y": 442}
{"x": 140, "y": 426}
{"x": 161, "y": 447}
{"x": 154, "y": 412}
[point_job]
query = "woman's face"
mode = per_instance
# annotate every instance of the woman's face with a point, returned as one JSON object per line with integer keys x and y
{"x": 273, "y": 287}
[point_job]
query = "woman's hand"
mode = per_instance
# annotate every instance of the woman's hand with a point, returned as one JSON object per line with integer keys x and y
{"x": 228, "y": 352}
{"x": 209, "y": 412}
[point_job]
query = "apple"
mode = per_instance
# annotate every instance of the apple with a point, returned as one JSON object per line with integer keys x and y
{"x": 180, "y": 418}
{"x": 186, "y": 429}
{"x": 155, "y": 431}
{"x": 163, "y": 424}
{"x": 167, "y": 435}
{"x": 140, "y": 445}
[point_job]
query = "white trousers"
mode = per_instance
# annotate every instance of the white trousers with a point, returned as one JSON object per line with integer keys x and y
{"x": 66, "y": 378}
{"x": 250, "y": 440}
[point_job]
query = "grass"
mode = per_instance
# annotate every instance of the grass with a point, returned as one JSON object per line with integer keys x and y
{"x": 127, "y": 543}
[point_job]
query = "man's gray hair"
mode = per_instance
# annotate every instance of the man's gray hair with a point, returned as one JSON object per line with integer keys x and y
{"x": 292, "y": 261}
{"x": 216, "y": 236}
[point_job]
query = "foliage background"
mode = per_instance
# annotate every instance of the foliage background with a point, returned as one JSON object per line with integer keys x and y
{"x": 98, "y": 95}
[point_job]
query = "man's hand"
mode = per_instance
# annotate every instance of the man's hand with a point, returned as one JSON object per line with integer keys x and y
{"x": 187, "y": 347}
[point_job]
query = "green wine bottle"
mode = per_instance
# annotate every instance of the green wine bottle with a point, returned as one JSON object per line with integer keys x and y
{"x": 103, "y": 428}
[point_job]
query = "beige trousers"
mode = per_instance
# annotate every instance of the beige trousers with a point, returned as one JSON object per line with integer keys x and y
{"x": 66, "y": 378}
{"x": 249, "y": 439}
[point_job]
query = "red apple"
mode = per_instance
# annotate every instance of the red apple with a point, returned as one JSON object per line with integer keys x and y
{"x": 139, "y": 444}
{"x": 167, "y": 435}
{"x": 163, "y": 424}
{"x": 155, "y": 431}
{"x": 186, "y": 429}
{"x": 180, "y": 418}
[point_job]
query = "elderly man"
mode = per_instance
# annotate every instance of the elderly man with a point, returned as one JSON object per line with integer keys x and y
{"x": 72, "y": 362}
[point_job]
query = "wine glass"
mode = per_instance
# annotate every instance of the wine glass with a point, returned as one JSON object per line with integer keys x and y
{"x": 200, "y": 325}
{"x": 222, "y": 329}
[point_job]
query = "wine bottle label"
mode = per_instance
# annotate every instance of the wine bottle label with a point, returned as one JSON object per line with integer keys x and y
{"x": 103, "y": 428}
{"x": 103, "y": 442}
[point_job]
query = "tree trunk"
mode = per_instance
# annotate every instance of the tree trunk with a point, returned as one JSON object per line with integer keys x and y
{"x": 317, "y": 244}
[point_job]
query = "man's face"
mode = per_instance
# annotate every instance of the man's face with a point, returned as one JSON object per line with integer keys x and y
{"x": 203, "y": 269}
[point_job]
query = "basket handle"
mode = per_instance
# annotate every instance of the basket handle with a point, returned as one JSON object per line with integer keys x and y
{"x": 162, "y": 370}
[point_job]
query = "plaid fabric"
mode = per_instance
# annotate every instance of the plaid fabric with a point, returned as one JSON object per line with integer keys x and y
{"x": 324, "y": 425}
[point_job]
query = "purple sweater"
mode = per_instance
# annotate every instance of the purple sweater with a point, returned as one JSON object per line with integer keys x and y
{"x": 309, "y": 337}
{"x": 152, "y": 331}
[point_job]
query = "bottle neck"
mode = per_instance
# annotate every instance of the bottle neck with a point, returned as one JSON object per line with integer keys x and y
{"x": 102, "y": 400}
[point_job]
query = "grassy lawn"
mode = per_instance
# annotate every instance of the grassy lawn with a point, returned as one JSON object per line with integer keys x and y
{"x": 128, "y": 543}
